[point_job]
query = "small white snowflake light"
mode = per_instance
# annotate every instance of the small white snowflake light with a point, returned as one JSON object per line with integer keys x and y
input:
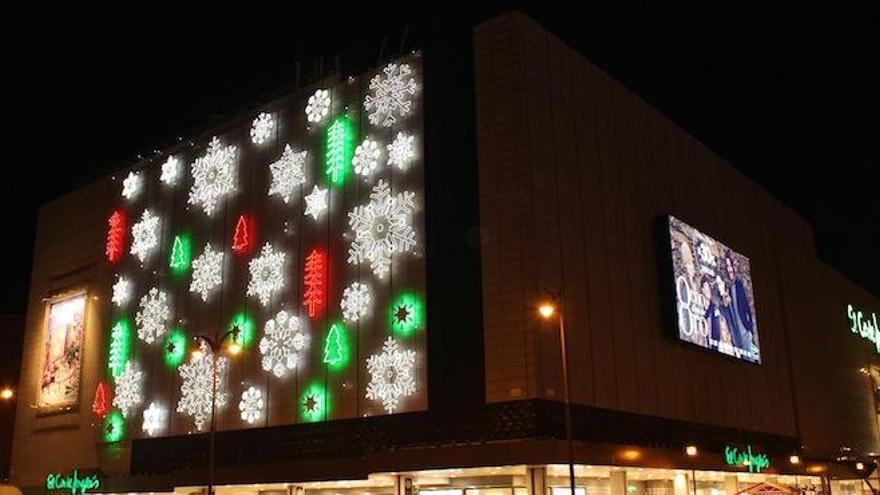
{"x": 145, "y": 235}
{"x": 355, "y": 301}
{"x": 197, "y": 389}
{"x": 121, "y": 291}
{"x": 213, "y": 176}
{"x": 390, "y": 96}
{"x": 152, "y": 315}
{"x": 154, "y": 419}
{"x": 282, "y": 342}
{"x": 267, "y": 274}
{"x": 262, "y": 128}
{"x": 251, "y": 405}
{"x": 316, "y": 202}
{"x": 131, "y": 185}
{"x": 318, "y": 106}
{"x": 207, "y": 272}
{"x": 400, "y": 151}
{"x": 127, "y": 393}
{"x": 391, "y": 375}
{"x": 381, "y": 228}
{"x": 170, "y": 171}
{"x": 366, "y": 158}
{"x": 288, "y": 173}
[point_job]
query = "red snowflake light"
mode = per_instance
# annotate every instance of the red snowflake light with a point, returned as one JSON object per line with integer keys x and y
{"x": 314, "y": 279}
{"x": 116, "y": 236}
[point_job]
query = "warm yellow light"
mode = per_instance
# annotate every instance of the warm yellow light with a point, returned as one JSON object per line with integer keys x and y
{"x": 795, "y": 459}
{"x": 691, "y": 450}
{"x": 630, "y": 455}
{"x": 546, "y": 310}
{"x": 198, "y": 354}
{"x": 7, "y": 394}
{"x": 859, "y": 466}
{"x": 234, "y": 349}
{"x": 816, "y": 468}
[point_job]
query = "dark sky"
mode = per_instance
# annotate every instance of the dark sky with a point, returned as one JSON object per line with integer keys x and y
{"x": 787, "y": 95}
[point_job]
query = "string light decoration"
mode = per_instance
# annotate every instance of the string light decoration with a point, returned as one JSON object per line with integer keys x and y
{"x": 283, "y": 341}
{"x": 170, "y": 171}
{"x": 381, "y": 228}
{"x": 339, "y": 149}
{"x": 181, "y": 254}
{"x": 318, "y": 106}
{"x": 113, "y": 429}
{"x": 316, "y": 202}
{"x": 390, "y": 96}
{"x": 366, "y": 158}
{"x": 400, "y": 151}
{"x": 196, "y": 390}
{"x": 245, "y": 235}
{"x": 117, "y": 223}
{"x": 128, "y": 389}
{"x": 288, "y": 173}
{"x": 251, "y": 405}
{"x": 154, "y": 419}
{"x": 314, "y": 278}
{"x": 262, "y": 127}
{"x": 120, "y": 347}
{"x": 145, "y": 235}
{"x": 207, "y": 272}
{"x": 356, "y": 301}
{"x": 314, "y": 403}
{"x": 391, "y": 375}
{"x": 121, "y": 291}
{"x": 336, "y": 347}
{"x": 101, "y": 403}
{"x": 213, "y": 176}
{"x": 406, "y": 314}
{"x": 267, "y": 274}
{"x": 174, "y": 348}
{"x": 131, "y": 185}
{"x": 245, "y": 329}
{"x": 152, "y": 315}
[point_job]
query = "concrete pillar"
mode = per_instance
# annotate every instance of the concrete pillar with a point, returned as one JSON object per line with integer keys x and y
{"x": 536, "y": 480}
{"x": 617, "y": 482}
{"x": 731, "y": 485}
{"x": 681, "y": 484}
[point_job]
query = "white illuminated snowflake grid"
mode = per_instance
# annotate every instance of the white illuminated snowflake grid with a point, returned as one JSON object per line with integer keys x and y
{"x": 391, "y": 375}
{"x": 390, "y": 95}
{"x": 170, "y": 171}
{"x": 356, "y": 300}
{"x": 213, "y": 176}
{"x": 288, "y": 173}
{"x": 152, "y": 315}
{"x": 145, "y": 235}
{"x": 316, "y": 202}
{"x": 281, "y": 344}
{"x": 382, "y": 228}
{"x": 400, "y": 151}
{"x": 251, "y": 405}
{"x": 207, "y": 272}
{"x": 262, "y": 128}
{"x": 196, "y": 389}
{"x": 127, "y": 393}
{"x": 318, "y": 106}
{"x": 121, "y": 291}
{"x": 366, "y": 158}
{"x": 154, "y": 419}
{"x": 267, "y": 274}
{"x": 131, "y": 185}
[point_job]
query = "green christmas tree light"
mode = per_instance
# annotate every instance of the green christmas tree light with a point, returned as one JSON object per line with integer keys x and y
{"x": 174, "y": 350}
{"x": 336, "y": 347}
{"x": 120, "y": 347}
{"x": 339, "y": 149}
{"x": 246, "y": 329}
{"x": 406, "y": 314}
{"x": 113, "y": 429}
{"x": 181, "y": 254}
{"x": 314, "y": 403}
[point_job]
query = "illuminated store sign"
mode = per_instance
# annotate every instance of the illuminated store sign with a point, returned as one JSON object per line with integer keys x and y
{"x": 864, "y": 324}
{"x": 733, "y": 456}
{"x": 73, "y": 483}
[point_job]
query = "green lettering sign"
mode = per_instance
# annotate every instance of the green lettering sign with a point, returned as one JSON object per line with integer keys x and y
{"x": 73, "y": 483}
{"x": 733, "y": 456}
{"x": 865, "y": 325}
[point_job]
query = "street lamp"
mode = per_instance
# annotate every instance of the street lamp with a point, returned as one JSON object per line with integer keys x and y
{"x": 692, "y": 451}
{"x": 547, "y": 310}
{"x": 7, "y": 394}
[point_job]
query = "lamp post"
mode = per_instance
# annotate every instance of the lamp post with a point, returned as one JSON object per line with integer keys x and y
{"x": 692, "y": 452}
{"x": 547, "y": 310}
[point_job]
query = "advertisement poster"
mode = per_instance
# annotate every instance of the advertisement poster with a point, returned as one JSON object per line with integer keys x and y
{"x": 62, "y": 353}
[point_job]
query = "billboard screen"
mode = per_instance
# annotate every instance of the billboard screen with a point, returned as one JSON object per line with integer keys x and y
{"x": 62, "y": 353}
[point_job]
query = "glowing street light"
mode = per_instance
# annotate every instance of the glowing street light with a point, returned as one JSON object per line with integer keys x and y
{"x": 794, "y": 459}
{"x": 691, "y": 450}
{"x": 7, "y": 393}
{"x": 547, "y": 310}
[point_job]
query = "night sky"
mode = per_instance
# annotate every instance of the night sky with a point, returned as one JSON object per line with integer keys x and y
{"x": 790, "y": 97}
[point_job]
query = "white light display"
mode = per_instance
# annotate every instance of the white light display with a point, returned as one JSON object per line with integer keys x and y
{"x": 121, "y": 291}
{"x": 366, "y": 158}
{"x": 197, "y": 391}
{"x": 316, "y": 202}
{"x": 381, "y": 227}
{"x": 356, "y": 301}
{"x": 145, "y": 235}
{"x": 318, "y": 106}
{"x": 131, "y": 185}
{"x": 152, "y": 315}
{"x": 127, "y": 393}
{"x": 213, "y": 176}
{"x": 390, "y": 96}
{"x": 251, "y": 405}
{"x": 170, "y": 171}
{"x": 154, "y": 419}
{"x": 267, "y": 274}
{"x": 207, "y": 272}
{"x": 262, "y": 128}
{"x": 391, "y": 375}
{"x": 282, "y": 342}
{"x": 400, "y": 151}
{"x": 288, "y": 173}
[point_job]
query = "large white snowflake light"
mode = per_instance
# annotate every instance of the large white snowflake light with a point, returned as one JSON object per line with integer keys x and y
{"x": 400, "y": 151}
{"x": 251, "y": 405}
{"x": 127, "y": 393}
{"x": 154, "y": 419}
{"x": 207, "y": 272}
{"x": 170, "y": 171}
{"x": 366, "y": 158}
{"x": 152, "y": 315}
{"x": 288, "y": 173}
{"x": 282, "y": 342}
{"x": 213, "y": 176}
{"x": 382, "y": 228}
{"x": 131, "y": 185}
{"x": 262, "y": 127}
{"x": 390, "y": 96}
{"x": 391, "y": 375}
{"x": 318, "y": 106}
{"x": 267, "y": 274}
{"x": 121, "y": 291}
{"x": 197, "y": 390}
{"x": 355, "y": 301}
{"x": 145, "y": 235}
{"x": 316, "y": 202}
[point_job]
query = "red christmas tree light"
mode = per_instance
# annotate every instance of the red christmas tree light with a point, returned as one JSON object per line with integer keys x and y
{"x": 244, "y": 237}
{"x": 116, "y": 236}
{"x": 315, "y": 275}
{"x": 101, "y": 404}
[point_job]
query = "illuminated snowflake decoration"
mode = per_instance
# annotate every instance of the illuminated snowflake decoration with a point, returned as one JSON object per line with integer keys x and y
{"x": 381, "y": 228}
{"x": 251, "y": 405}
{"x": 145, "y": 235}
{"x": 390, "y": 95}
{"x": 366, "y": 158}
{"x": 282, "y": 342}
{"x": 213, "y": 176}
{"x": 355, "y": 301}
{"x": 287, "y": 173}
{"x": 197, "y": 390}
{"x": 316, "y": 202}
{"x": 131, "y": 185}
{"x": 391, "y": 375}
{"x": 127, "y": 393}
{"x": 152, "y": 315}
{"x": 170, "y": 171}
{"x": 262, "y": 128}
{"x": 267, "y": 274}
{"x": 400, "y": 151}
{"x": 154, "y": 419}
{"x": 318, "y": 106}
{"x": 207, "y": 272}
{"x": 121, "y": 291}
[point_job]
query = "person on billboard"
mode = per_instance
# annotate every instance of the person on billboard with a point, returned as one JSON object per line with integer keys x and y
{"x": 742, "y": 314}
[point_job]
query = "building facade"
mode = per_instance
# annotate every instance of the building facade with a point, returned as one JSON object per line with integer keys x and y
{"x": 336, "y": 293}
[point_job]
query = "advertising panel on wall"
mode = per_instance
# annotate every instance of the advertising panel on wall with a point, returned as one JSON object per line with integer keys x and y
{"x": 293, "y": 239}
{"x": 62, "y": 353}
{"x": 715, "y": 302}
